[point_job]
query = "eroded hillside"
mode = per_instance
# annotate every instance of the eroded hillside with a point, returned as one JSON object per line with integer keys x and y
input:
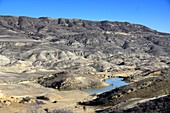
{"x": 74, "y": 54}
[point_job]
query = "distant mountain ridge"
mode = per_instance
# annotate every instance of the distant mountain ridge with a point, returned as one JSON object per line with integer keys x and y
{"x": 17, "y": 22}
{"x": 113, "y": 42}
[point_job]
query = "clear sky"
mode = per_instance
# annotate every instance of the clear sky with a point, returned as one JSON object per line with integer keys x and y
{"x": 152, "y": 13}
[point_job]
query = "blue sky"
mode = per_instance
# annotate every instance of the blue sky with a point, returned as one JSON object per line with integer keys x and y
{"x": 152, "y": 13}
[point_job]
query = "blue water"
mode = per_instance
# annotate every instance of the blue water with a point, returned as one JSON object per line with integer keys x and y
{"x": 115, "y": 82}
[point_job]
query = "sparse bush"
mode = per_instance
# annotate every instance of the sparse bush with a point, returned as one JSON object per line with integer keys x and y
{"x": 61, "y": 111}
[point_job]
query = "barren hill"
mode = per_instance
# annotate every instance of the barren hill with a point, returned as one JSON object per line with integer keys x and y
{"x": 78, "y": 54}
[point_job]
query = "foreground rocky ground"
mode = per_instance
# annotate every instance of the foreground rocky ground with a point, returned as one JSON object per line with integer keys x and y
{"x": 148, "y": 95}
{"x": 157, "y": 105}
{"x": 40, "y": 58}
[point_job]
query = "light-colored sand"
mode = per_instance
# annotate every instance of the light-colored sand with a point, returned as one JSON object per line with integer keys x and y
{"x": 64, "y": 99}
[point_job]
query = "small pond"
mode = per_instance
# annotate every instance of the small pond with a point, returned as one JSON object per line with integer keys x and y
{"x": 115, "y": 82}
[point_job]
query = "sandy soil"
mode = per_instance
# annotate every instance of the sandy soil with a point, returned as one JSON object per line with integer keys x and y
{"x": 12, "y": 94}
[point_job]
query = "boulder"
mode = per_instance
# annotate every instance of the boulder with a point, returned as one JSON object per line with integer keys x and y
{"x": 4, "y": 60}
